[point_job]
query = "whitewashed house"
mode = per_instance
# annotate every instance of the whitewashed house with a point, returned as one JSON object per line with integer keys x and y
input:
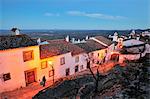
{"x": 133, "y": 50}
{"x": 19, "y": 61}
{"x": 133, "y": 46}
{"x": 109, "y": 45}
{"x": 96, "y": 52}
{"x": 60, "y": 58}
{"x": 23, "y": 61}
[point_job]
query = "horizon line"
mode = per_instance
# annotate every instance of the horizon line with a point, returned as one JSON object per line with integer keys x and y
{"x": 82, "y": 29}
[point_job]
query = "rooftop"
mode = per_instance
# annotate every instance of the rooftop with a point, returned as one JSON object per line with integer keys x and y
{"x": 91, "y": 45}
{"x": 58, "y": 47}
{"x": 104, "y": 40}
{"x": 15, "y": 41}
{"x": 132, "y": 42}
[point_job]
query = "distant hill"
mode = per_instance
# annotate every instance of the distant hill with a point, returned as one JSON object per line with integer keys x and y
{"x": 78, "y": 34}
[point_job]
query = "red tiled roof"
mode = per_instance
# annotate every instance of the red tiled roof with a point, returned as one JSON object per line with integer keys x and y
{"x": 58, "y": 47}
{"x": 91, "y": 45}
{"x": 104, "y": 40}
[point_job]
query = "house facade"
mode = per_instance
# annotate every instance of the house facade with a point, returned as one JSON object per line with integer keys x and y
{"x": 19, "y": 62}
{"x": 26, "y": 62}
{"x": 60, "y": 58}
{"x": 96, "y": 52}
{"x": 19, "y": 67}
{"x": 23, "y": 61}
{"x": 109, "y": 46}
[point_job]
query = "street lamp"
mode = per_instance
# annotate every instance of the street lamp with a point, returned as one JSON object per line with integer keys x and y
{"x": 51, "y": 64}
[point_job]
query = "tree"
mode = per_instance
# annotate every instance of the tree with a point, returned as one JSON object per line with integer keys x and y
{"x": 96, "y": 77}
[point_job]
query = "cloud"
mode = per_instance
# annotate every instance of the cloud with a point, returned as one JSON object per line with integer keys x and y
{"x": 51, "y": 14}
{"x": 94, "y": 15}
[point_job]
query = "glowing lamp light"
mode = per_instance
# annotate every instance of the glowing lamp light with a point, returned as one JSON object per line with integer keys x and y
{"x": 50, "y": 62}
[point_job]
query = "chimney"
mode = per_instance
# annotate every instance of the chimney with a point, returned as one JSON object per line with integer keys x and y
{"x": 39, "y": 40}
{"x": 138, "y": 37}
{"x": 78, "y": 40}
{"x": 15, "y": 31}
{"x": 133, "y": 32}
{"x": 83, "y": 40}
{"x": 73, "y": 40}
{"x": 67, "y": 38}
{"x": 87, "y": 37}
{"x": 115, "y": 37}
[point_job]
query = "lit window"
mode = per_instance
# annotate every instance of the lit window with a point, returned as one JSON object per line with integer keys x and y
{"x": 62, "y": 60}
{"x": 43, "y": 64}
{"x": 67, "y": 71}
{"x": 105, "y": 51}
{"x": 102, "y": 55}
{"x": 77, "y": 59}
{"x": 6, "y": 76}
{"x": 76, "y": 68}
{"x": 28, "y": 55}
{"x": 51, "y": 73}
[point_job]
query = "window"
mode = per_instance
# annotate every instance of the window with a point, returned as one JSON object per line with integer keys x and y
{"x": 76, "y": 68}
{"x": 105, "y": 51}
{"x": 67, "y": 71}
{"x": 81, "y": 67}
{"x": 93, "y": 60}
{"x": 27, "y": 55}
{"x": 51, "y": 73}
{"x": 77, "y": 59}
{"x": 88, "y": 64}
{"x": 92, "y": 54}
{"x": 6, "y": 76}
{"x": 43, "y": 64}
{"x": 62, "y": 60}
{"x": 102, "y": 55}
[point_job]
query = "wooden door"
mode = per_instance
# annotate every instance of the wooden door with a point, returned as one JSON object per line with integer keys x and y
{"x": 30, "y": 77}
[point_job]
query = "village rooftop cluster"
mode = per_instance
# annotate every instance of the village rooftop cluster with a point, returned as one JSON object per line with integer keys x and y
{"x": 25, "y": 60}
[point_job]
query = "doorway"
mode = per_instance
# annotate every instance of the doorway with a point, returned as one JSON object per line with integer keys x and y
{"x": 30, "y": 76}
{"x": 115, "y": 57}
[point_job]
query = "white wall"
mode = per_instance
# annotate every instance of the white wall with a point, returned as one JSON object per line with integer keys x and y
{"x": 110, "y": 49}
{"x": 60, "y": 70}
{"x": 82, "y": 61}
{"x": 11, "y": 61}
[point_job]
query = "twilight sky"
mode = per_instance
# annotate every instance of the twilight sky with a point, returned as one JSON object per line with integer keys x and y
{"x": 75, "y": 14}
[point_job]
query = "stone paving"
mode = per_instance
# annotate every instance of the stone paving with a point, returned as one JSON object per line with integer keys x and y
{"x": 24, "y": 93}
{"x": 31, "y": 90}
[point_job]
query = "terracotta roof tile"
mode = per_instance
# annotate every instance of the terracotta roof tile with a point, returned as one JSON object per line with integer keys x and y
{"x": 91, "y": 45}
{"x": 58, "y": 47}
{"x": 104, "y": 40}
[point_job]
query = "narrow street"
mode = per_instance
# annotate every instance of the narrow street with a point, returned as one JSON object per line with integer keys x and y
{"x": 24, "y": 93}
{"x": 31, "y": 90}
